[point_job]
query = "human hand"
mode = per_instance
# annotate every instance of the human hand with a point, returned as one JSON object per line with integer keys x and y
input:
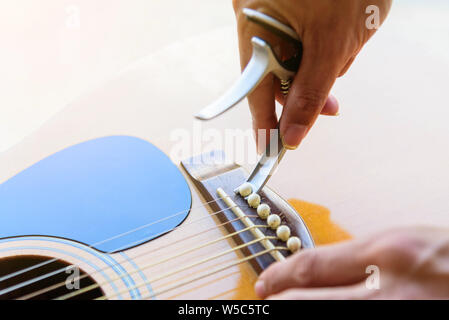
{"x": 413, "y": 263}
{"x": 332, "y": 33}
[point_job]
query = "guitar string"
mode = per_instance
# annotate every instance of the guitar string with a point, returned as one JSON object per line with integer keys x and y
{"x": 213, "y": 271}
{"x": 16, "y": 273}
{"x": 208, "y": 274}
{"x": 167, "y": 274}
{"x": 42, "y": 291}
{"x": 207, "y": 267}
{"x": 33, "y": 280}
{"x": 150, "y": 265}
{"x": 182, "y": 269}
{"x": 47, "y": 275}
{"x": 246, "y": 229}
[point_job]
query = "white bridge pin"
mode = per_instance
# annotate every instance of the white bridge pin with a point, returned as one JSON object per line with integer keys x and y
{"x": 253, "y": 200}
{"x": 294, "y": 244}
{"x": 283, "y": 232}
{"x": 273, "y": 221}
{"x": 263, "y": 210}
{"x": 245, "y": 189}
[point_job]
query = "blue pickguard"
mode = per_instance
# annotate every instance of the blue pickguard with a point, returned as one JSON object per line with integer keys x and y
{"x": 96, "y": 190}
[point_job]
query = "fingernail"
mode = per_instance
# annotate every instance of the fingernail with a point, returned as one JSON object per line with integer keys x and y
{"x": 293, "y": 136}
{"x": 260, "y": 288}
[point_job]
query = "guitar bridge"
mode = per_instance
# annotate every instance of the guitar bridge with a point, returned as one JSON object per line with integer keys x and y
{"x": 214, "y": 177}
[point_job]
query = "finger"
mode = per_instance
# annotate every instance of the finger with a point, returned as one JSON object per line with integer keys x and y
{"x": 262, "y": 99}
{"x": 307, "y": 95}
{"x": 353, "y": 292}
{"x": 331, "y": 106}
{"x": 333, "y": 265}
{"x": 263, "y": 110}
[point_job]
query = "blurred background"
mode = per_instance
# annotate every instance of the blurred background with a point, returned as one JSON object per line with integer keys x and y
{"x": 51, "y": 51}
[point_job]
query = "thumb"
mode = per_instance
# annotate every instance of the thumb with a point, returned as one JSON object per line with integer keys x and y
{"x": 307, "y": 97}
{"x": 326, "y": 266}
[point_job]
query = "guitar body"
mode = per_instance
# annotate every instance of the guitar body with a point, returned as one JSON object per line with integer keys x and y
{"x": 120, "y": 216}
{"x": 146, "y": 112}
{"x": 95, "y": 188}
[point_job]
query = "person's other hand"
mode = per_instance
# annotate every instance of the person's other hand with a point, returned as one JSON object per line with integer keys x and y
{"x": 412, "y": 263}
{"x": 332, "y": 33}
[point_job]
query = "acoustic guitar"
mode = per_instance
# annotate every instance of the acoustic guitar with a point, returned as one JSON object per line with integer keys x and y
{"x": 95, "y": 206}
{"x": 117, "y": 196}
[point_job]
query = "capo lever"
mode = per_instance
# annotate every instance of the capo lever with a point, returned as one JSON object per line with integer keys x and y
{"x": 263, "y": 62}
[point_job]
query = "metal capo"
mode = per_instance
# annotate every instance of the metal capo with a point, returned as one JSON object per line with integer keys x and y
{"x": 263, "y": 62}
